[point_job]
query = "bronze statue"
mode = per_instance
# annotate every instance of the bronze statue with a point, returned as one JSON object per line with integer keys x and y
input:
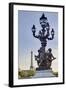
{"x": 44, "y": 59}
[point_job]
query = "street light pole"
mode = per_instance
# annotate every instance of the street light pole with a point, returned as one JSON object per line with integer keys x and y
{"x": 43, "y": 36}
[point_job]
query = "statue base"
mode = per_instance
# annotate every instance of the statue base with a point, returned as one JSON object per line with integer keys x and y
{"x": 44, "y": 74}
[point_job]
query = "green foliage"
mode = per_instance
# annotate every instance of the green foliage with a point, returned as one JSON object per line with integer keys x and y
{"x": 55, "y": 73}
{"x": 26, "y": 73}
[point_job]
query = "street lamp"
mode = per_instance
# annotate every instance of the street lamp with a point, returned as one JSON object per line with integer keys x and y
{"x": 52, "y": 32}
{"x": 43, "y": 36}
{"x": 33, "y": 28}
{"x": 43, "y": 21}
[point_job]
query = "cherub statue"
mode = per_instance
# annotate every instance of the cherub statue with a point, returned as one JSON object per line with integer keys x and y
{"x": 49, "y": 58}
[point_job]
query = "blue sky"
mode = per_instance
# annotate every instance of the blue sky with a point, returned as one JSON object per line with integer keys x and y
{"x": 26, "y": 41}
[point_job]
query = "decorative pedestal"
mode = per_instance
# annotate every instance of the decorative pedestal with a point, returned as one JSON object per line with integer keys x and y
{"x": 44, "y": 58}
{"x": 43, "y": 74}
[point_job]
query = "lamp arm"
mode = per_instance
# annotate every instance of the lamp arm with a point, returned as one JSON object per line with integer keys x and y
{"x": 36, "y": 36}
{"x": 51, "y": 38}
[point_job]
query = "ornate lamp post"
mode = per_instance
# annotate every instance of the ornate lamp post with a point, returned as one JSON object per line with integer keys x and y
{"x": 43, "y": 36}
